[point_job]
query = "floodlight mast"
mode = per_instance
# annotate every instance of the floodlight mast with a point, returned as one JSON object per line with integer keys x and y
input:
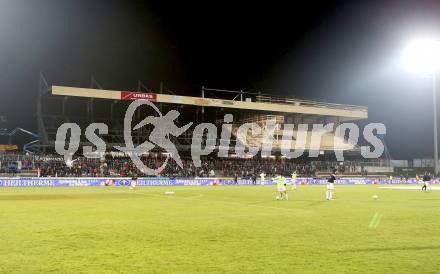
{"x": 434, "y": 100}
{"x": 424, "y": 55}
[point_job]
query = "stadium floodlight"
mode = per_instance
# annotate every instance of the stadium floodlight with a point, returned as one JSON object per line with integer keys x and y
{"x": 423, "y": 55}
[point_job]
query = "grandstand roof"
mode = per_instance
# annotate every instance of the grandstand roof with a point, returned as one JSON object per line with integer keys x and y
{"x": 261, "y": 103}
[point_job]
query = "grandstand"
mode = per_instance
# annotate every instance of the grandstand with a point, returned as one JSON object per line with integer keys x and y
{"x": 209, "y": 107}
{"x": 60, "y": 104}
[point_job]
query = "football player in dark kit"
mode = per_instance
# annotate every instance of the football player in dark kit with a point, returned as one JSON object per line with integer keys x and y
{"x": 426, "y": 180}
{"x": 330, "y": 186}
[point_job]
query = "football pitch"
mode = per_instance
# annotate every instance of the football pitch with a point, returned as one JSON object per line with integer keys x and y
{"x": 218, "y": 229}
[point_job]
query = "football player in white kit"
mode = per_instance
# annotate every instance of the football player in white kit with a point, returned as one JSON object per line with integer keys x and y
{"x": 293, "y": 181}
{"x": 262, "y": 176}
{"x": 133, "y": 182}
{"x": 330, "y": 186}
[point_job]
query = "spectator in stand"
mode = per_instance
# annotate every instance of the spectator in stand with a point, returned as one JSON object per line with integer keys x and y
{"x": 53, "y": 165}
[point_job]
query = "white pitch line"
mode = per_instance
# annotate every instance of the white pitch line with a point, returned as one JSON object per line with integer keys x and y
{"x": 194, "y": 198}
{"x": 410, "y": 187}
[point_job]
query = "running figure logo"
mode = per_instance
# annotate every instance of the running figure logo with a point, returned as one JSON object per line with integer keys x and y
{"x": 160, "y": 136}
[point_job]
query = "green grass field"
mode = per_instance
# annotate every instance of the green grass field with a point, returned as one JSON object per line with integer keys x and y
{"x": 227, "y": 229}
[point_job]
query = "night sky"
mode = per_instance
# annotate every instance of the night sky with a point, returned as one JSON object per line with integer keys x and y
{"x": 341, "y": 52}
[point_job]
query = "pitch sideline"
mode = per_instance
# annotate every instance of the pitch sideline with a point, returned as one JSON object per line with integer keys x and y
{"x": 409, "y": 187}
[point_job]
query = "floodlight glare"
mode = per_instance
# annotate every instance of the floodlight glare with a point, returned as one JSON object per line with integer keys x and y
{"x": 422, "y": 55}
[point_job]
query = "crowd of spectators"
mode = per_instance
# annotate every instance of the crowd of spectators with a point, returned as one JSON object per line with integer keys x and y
{"x": 54, "y": 166}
